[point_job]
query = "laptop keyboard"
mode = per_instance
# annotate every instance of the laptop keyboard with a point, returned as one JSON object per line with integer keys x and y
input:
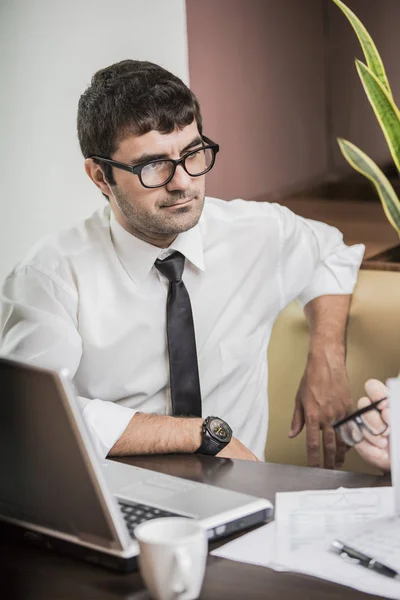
{"x": 135, "y": 513}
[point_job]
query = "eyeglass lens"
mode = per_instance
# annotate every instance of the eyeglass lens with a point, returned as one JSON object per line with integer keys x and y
{"x": 361, "y": 426}
{"x": 196, "y": 163}
{"x": 351, "y": 432}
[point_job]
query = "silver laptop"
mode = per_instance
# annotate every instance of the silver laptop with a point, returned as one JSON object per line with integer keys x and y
{"x": 60, "y": 494}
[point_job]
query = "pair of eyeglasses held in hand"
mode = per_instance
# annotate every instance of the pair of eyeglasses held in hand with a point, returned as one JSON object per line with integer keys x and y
{"x": 366, "y": 422}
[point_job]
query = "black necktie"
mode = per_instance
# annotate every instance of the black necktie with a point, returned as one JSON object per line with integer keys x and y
{"x": 183, "y": 369}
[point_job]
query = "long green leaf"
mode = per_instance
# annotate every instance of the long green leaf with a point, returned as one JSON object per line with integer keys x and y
{"x": 364, "y": 165}
{"x": 385, "y": 109}
{"x": 371, "y": 53}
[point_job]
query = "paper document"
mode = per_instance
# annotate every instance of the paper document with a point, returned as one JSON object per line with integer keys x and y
{"x": 308, "y": 522}
{"x": 378, "y": 539}
{"x": 305, "y": 525}
{"x": 304, "y": 518}
{"x": 255, "y": 548}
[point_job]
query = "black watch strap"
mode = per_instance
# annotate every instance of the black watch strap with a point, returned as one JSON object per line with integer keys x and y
{"x": 210, "y": 444}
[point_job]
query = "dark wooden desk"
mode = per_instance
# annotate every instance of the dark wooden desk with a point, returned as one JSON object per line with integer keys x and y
{"x": 32, "y": 574}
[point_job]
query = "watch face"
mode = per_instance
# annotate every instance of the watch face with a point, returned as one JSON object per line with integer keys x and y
{"x": 219, "y": 429}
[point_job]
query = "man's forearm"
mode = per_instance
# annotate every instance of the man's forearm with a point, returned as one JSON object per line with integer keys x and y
{"x": 324, "y": 395}
{"x": 327, "y": 317}
{"x": 159, "y": 434}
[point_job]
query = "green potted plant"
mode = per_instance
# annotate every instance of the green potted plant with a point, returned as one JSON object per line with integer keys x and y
{"x": 376, "y": 86}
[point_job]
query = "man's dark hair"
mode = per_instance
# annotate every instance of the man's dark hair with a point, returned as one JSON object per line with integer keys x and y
{"x": 132, "y": 97}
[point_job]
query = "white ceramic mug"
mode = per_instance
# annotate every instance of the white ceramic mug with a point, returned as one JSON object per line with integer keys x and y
{"x": 172, "y": 560}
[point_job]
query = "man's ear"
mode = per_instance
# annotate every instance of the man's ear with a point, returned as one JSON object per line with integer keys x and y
{"x": 95, "y": 172}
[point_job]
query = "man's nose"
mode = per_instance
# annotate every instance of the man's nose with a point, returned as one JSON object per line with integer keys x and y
{"x": 180, "y": 181}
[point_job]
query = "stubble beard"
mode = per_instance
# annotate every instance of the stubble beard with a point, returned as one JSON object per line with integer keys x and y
{"x": 162, "y": 221}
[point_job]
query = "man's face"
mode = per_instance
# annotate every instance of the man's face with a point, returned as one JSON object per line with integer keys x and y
{"x": 157, "y": 215}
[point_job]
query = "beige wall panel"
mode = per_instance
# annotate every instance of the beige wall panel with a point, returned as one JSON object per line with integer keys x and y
{"x": 373, "y": 351}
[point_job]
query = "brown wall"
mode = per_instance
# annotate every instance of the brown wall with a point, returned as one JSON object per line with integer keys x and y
{"x": 277, "y": 85}
{"x": 257, "y": 67}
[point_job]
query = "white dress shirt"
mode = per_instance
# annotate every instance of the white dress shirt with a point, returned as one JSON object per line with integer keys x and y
{"x": 90, "y": 299}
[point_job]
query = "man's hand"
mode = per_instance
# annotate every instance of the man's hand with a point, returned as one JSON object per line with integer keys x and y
{"x": 375, "y": 448}
{"x": 323, "y": 398}
{"x": 324, "y": 393}
{"x": 236, "y": 449}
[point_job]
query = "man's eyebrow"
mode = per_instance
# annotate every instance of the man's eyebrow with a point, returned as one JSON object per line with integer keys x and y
{"x": 196, "y": 142}
{"x": 148, "y": 157}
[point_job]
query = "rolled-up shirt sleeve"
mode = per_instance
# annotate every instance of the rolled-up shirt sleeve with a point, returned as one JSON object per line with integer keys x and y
{"x": 314, "y": 260}
{"x": 337, "y": 274}
{"x": 39, "y": 324}
{"x": 106, "y": 422}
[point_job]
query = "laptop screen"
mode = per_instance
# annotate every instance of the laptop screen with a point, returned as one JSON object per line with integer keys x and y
{"x": 45, "y": 470}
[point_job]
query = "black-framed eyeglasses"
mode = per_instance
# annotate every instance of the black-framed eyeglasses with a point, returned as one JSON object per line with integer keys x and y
{"x": 156, "y": 173}
{"x": 368, "y": 420}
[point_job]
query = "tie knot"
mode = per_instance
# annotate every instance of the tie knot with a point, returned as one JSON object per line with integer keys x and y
{"x": 172, "y": 266}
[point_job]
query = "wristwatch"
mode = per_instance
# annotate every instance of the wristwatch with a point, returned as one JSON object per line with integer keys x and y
{"x": 216, "y": 435}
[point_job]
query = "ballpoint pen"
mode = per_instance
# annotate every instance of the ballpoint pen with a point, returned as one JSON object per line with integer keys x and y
{"x": 363, "y": 560}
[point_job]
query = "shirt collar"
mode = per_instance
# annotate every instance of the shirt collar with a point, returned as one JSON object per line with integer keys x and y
{"x": 138, "y": 257}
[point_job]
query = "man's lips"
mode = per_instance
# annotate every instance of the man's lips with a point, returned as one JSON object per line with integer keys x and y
{"x": 177, "y": 204}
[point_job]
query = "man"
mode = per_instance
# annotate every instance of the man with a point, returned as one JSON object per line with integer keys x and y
{"x": 93, "y": 299}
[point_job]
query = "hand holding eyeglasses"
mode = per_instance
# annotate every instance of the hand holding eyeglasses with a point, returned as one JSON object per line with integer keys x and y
{"x": 368, "y": 428}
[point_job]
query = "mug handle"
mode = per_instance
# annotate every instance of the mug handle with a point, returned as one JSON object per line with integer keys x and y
{"x": 181, "y": 571}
